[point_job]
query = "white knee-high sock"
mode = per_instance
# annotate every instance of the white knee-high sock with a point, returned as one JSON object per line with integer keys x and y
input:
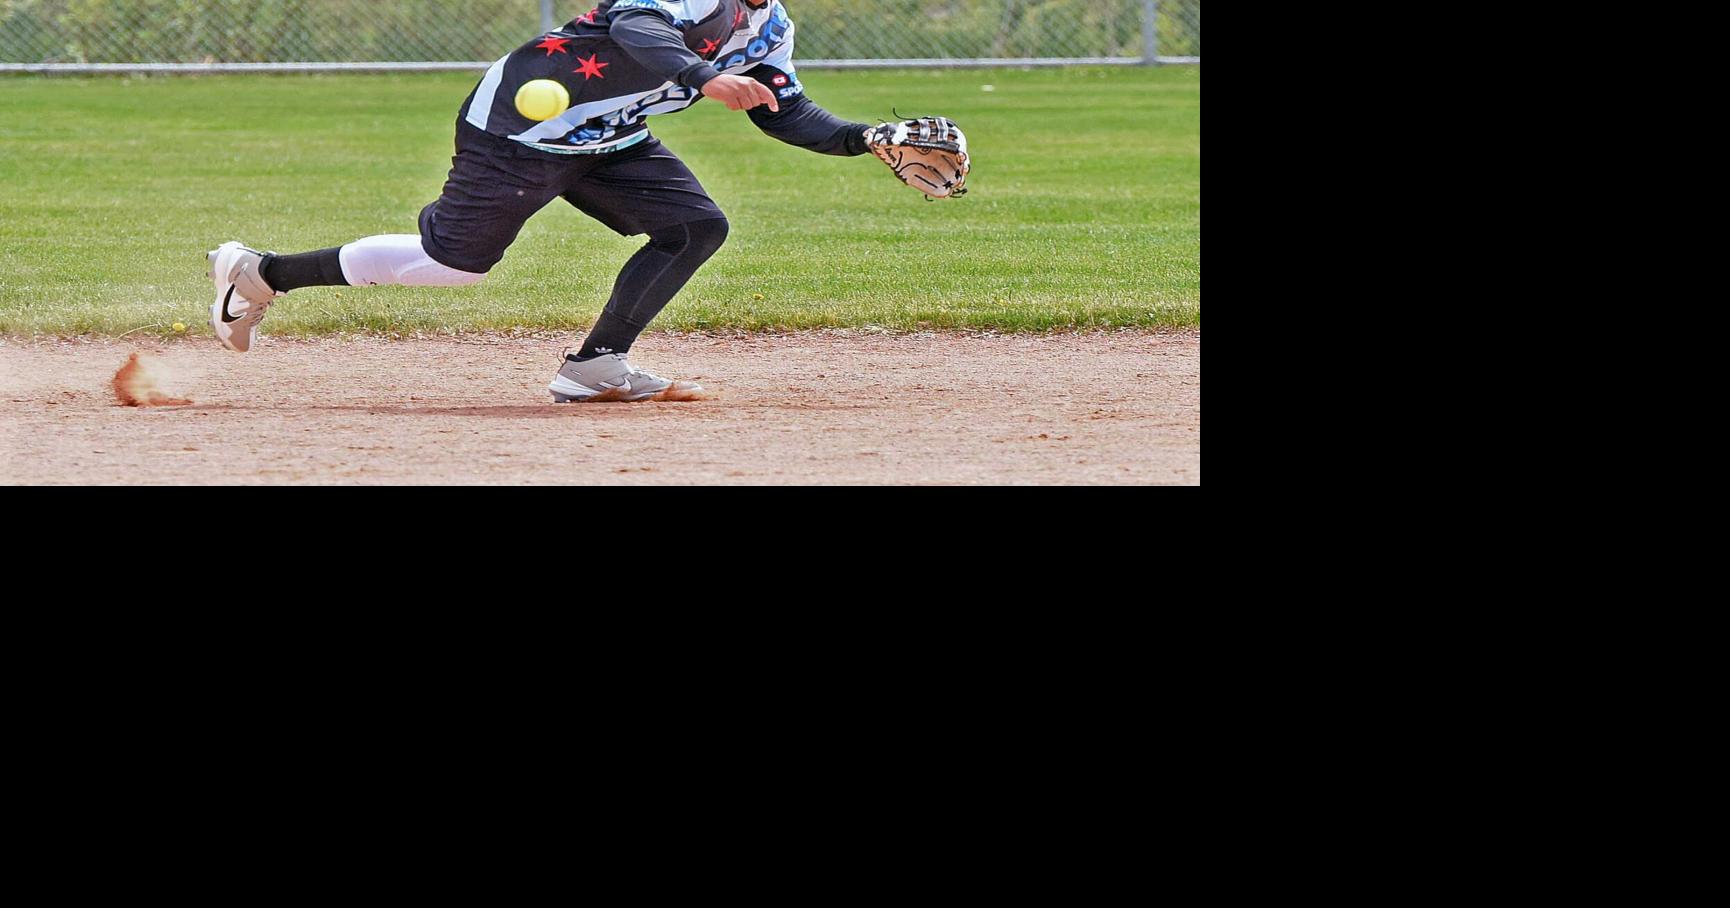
{"x": 398, "y": 259}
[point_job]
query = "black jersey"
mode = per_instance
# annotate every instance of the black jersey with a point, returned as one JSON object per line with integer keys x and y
{"x": 612, "y": 89}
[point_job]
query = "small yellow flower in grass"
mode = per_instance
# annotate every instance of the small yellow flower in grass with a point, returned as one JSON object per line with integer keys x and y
{"x": 756, "y": 296}
{"x": 179, "y": 327}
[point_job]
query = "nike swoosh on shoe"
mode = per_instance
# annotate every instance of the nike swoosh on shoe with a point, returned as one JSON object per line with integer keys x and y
{"x": 226, "y": 318}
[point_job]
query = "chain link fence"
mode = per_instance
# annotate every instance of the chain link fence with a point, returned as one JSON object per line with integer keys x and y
{"x": 224, "y": 35}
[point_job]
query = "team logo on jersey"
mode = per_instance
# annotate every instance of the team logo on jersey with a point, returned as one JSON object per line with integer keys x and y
{"x": 771, "y": 36}
{"x": 710, "y": 45}
{"x": 553, "y": 45}
{"x": 779, "y": 81}
{"x": 673, "y": 99}
{"x": 590, "y": 68}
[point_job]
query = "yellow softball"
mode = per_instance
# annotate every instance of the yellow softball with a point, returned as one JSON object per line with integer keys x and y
{"x": 542, "y": 99}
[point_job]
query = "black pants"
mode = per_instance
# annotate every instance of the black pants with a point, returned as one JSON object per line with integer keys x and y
{"x": 496, "y": 185}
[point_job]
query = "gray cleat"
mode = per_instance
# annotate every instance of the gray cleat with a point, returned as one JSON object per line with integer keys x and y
{"x": 242, "y": 296}
{"x": 611, "y": 377}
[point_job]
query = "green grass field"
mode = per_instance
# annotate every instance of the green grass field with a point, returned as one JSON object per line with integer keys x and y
{"x": 1085, "y": 208}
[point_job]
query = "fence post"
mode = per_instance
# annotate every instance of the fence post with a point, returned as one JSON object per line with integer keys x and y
{"x": 1150, "y": 32}
{"x": 546, "y": 15}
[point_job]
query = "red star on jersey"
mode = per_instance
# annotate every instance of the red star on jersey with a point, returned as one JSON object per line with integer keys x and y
{"x": 590, "y": 68}
{"x": 553, "y": 45}
{"x": 709, "y": 46}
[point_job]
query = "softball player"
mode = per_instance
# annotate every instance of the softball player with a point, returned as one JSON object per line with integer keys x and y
{"x": 622, "y": 62}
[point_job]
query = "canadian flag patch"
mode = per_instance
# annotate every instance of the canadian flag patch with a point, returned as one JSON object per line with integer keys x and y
{"x": 779, "y": 81}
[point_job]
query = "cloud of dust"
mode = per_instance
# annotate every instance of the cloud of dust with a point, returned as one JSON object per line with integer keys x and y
{"x": 139, "y": 381}
{"x": 681, "y": 392}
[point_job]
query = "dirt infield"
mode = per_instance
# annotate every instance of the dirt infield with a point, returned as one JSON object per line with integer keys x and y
{"x": 817, "y": 408}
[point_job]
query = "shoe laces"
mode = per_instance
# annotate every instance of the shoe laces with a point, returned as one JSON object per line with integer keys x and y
{"x": 633, "y": 370}
{"x": 256, "y": 310}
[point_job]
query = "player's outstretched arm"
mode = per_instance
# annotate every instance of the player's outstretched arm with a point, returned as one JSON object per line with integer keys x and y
{"x": 803, "y": 124}
{"x": 800, "y": 121}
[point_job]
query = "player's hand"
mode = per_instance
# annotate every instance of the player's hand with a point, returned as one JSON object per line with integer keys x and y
{"x": 740, "y": 93}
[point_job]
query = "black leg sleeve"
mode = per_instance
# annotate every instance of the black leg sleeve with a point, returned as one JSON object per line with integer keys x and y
{"x": 650, "y": 279}
{"x": 308, "y": 269}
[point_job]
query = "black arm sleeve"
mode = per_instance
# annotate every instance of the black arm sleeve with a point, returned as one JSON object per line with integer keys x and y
{"x": 653, "y": 41}
{"x": 802, "y": 123}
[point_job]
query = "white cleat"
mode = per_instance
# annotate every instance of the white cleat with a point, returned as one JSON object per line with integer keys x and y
{"x": 610, "y": 377}
{"x": 242, "y": 296}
